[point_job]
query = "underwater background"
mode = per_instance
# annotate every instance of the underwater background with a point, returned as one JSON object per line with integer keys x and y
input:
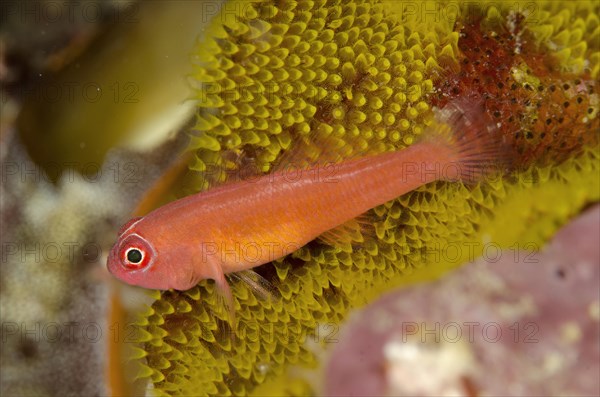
{"x": 111, "y": 109}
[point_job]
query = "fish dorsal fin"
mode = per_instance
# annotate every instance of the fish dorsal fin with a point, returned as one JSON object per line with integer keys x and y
{"x": 350, "y": 233}
{"x": 228, "y": 166}
{"x": 323, "y": 145}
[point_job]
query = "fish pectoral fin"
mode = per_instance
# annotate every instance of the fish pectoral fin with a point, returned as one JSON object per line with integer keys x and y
{"x": 349, "y": 233}
{"x": 261, "y": 287}
{"x": 224, "y": 294}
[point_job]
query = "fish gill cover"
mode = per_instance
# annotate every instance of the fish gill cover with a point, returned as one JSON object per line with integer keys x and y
{"x": 366, "y": 74}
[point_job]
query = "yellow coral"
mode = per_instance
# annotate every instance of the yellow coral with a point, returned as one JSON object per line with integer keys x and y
{"x": 359, "y": 73}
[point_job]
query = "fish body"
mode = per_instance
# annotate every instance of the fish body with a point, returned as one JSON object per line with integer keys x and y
{"x": 247, "y": 223}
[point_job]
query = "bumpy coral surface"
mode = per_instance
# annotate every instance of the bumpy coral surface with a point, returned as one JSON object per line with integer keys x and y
{"x": 276, "y": 76}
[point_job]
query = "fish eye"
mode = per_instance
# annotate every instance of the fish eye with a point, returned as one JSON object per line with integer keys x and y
{"x": 134, "y": 255}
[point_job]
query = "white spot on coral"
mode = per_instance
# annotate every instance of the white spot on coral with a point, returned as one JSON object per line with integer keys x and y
{"x": 524, "y": 306}
{"x": 512, "y": 27}
{"x": 570, "y": 332}
{"x": 263, "y": 367}
{"x": 415, "y": 367}
{"x": 553, "y": 363}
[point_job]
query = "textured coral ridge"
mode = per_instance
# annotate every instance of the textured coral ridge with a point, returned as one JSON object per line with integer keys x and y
{"x": 356, "y": 74}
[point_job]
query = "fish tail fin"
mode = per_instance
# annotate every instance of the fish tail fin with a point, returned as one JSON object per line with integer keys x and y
{"x": 473, "y": 142}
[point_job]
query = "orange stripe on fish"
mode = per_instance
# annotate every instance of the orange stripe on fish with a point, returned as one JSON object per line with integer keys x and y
{"x": 244, "y": 224}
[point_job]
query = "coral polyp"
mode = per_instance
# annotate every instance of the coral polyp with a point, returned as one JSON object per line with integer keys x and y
{"x": 546, "y": 106}
{"x": 360, "y": 73}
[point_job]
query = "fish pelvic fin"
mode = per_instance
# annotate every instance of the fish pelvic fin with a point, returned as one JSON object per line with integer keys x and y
{"x": 260, "y": 286}
{"x": 474, "y": 145}
{"x": 224, "y": 296}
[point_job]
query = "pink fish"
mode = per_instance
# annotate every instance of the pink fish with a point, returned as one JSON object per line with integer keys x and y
{"x": 244, "y": 224}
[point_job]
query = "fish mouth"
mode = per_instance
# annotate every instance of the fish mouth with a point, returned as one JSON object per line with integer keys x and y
{"x": 112, "y": 261}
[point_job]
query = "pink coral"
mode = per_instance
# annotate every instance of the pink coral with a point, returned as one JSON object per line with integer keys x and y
{"x": 529, "y": 319}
